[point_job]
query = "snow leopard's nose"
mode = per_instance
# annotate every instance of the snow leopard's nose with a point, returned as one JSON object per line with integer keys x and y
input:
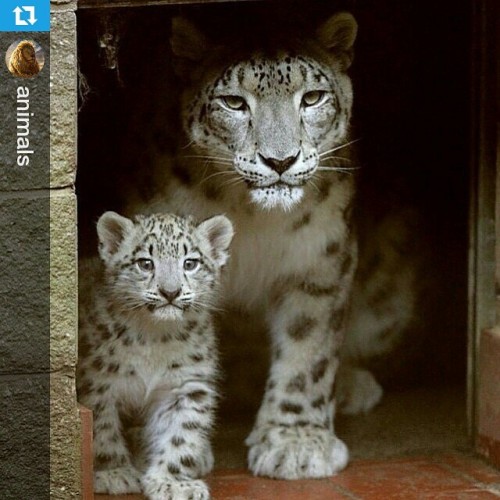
{"x": 279, "y": 166}
{"x": 170, "y": 295}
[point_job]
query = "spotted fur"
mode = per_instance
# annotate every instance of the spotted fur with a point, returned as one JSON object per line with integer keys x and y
{"x": 147, "y": 351}
{"x": 268, "y": 142}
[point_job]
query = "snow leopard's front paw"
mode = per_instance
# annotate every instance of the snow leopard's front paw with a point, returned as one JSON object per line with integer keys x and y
{"x": 117, "y": 481}
{"x": 357, "y": 391}
{"x": 295, "y": 452}
{"x": 162, "y": 489}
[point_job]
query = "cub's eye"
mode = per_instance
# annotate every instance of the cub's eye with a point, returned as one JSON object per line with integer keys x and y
{"x": 235, "y": 102}
{"x": 146, "y": 265}
{"x": 313, "y": 97}
{"x": 191, "y": 264}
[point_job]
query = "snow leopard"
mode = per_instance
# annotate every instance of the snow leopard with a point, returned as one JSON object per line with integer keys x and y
{"x": 148, "y": 353}
{"x": 269, "y": 142}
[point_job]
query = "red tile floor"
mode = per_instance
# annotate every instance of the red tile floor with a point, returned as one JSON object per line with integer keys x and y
{"x": 400, "y": 450}
{"x": 444, "y": 476}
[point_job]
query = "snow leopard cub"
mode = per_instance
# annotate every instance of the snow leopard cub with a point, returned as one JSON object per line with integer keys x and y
{"x": 147, "y": 350}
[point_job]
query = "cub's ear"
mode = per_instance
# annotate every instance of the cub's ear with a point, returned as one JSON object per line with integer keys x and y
{"x": 338, "y": 34}
{"x": 189, "y": 46}
{"x": 111, "y": 230}
{"x": 218, "y": 232}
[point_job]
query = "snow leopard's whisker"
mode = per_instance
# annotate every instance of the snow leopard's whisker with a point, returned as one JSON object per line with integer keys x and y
{"x": 187, "y": 145}
{"x": 336, "y": 158}
{"x": 133, "y": 307}
{"x": 232, "y": 182}
{"x": 219, "y": 150}
{"x": 313, "y": 184}
{"x": 344, "y": 170}
{"x": 338, "y": 169}
{"x": 206, "y": 305}
{"x": 336, "y": 148}
{"x": 210, "y": 157}
{"x": 211, "y": 164}
{"x": 224, "y": 172}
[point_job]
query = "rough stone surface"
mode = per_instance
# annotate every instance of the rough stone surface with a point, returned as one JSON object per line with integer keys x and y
{"x": 24, "y": 283}
{"x": 63, "y": 280}
{"x": 24, "y": 437}
{"x": 63, "y": 99}
{"x": 64, "y": 438}
{"x": 68, "y": 4}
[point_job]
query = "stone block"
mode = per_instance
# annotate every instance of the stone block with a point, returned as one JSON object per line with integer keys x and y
{"x": 24, "y": 437}
{"x": 63, "y": 99}
{"x": 65, "y": 432}
{"x": 63, "y": 280}
{"x": 24, "y": 283}
{"x": 58, "y": 5}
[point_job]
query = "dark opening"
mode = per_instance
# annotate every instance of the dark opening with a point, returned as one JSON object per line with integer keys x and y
{"x": 411, "y": 83}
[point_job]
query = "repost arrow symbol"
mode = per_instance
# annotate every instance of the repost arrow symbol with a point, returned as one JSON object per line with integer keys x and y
{"x": 19, "y": 22}
{"x": 31, "y": 10}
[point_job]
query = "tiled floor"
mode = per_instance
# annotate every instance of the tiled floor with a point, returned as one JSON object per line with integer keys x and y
{"x": 445, "y": 476}
{"x": 399, "y": 451}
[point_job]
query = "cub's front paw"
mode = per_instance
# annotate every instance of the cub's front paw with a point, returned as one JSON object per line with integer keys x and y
{"x": 295, "y": 452}
{"x": 161, "y": 489}
{"x": 357, "y": 391}
{"x": 117, "y": 481}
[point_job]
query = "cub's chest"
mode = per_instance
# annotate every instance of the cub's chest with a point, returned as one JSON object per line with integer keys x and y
{"x": 138, "y": 357}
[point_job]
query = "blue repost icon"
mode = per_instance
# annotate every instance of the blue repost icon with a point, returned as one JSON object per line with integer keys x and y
{"x": 24, "y": 15}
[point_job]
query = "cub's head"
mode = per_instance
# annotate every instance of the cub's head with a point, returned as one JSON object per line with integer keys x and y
{"x": 267, "y": 111}
{"x": 162, "y": 265}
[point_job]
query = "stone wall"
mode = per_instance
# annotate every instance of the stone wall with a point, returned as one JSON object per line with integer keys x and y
{"x": 65, "y": 424}
{"x": 38, "y": 293}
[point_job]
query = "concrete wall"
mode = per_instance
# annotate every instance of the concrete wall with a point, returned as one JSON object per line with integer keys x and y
{"x": 65, "y": 424}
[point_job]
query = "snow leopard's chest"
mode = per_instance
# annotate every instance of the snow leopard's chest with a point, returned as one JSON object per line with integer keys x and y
{"x": 268, "y": 248}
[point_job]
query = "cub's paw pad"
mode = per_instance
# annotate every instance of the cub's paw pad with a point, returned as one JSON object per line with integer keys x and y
{"x": 357, "y": 391}
{"x": 295, "y": 452}
{"x": 117, "y": 481}
{"x": 156, "y": 489}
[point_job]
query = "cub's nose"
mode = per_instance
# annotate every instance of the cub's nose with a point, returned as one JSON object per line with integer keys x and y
{"x": 279, "y": 166}
{"x": 170, "y": 295}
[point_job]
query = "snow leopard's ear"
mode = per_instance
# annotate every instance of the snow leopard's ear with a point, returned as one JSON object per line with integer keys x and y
{"x": 218, "y": 233}
{"x": 111, "y": 230}
{"x": 189, "y": 46}
{"x": 337, "y": 34}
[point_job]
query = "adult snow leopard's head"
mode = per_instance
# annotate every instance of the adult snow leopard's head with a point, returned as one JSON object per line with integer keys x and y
{"x": 162, "y": 265}
{"x": 269, "y": 109}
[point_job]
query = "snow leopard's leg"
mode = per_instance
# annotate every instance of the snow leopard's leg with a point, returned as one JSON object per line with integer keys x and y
{"x": 293, "y": 436}
{"x": 176, "y": 435}
{"x": 114, "y": 472}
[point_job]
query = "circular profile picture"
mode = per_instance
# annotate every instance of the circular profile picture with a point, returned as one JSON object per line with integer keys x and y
{"x": 25, "y": 58}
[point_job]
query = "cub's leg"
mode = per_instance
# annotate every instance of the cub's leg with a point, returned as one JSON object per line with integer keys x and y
{"x": 293, "y": 436}
{"x": 114, "y": 473}
{"x": 176, "y": 435}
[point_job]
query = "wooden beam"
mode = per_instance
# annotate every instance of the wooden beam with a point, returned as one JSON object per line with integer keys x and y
{"x": 108, "y": 4}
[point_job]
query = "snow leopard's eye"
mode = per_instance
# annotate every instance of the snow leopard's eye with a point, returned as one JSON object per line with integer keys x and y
{"x": 191, "y": 264}
{"x": 312, "y": 98}
{"x": 235, "y": 102}
{"x": 145, "y": 265}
